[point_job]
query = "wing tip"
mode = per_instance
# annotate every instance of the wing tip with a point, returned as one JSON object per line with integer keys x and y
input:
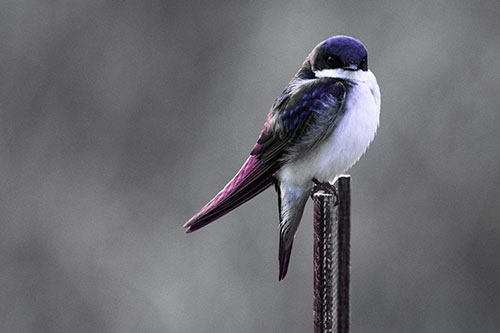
{"x": 192, "y": 225}
{"x": 189, "y": 223}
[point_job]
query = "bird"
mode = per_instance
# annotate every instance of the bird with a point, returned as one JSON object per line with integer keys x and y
{"x": 317, "y": 128}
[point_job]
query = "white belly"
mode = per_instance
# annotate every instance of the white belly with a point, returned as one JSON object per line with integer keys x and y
{"x": 348, "y": 141}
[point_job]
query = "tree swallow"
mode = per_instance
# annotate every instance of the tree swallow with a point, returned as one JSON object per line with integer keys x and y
{"x": 320, "y": 125}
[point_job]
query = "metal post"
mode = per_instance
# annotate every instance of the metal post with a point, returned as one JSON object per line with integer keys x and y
{"x": 332, "y": 231}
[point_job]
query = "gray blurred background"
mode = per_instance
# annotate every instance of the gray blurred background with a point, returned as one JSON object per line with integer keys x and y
{"x": 120, "y": 119}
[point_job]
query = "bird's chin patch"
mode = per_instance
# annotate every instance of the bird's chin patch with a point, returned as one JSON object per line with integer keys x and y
{"x": 340, "y": 73}
{"x": 334, "y": 73}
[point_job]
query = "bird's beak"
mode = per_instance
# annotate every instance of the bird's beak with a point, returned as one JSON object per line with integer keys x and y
{"x": 351, "y": 67}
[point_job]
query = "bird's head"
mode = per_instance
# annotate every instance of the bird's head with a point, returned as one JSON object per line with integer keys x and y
{"x": 338, "y": 52}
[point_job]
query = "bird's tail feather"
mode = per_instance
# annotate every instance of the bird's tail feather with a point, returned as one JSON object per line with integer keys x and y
{"x": 292, "y": 202}
{"x": 253, "y": 178}
{"x": 284, "y": 258}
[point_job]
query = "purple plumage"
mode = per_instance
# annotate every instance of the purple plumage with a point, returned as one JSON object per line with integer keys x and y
{"x": 253, "y": 178}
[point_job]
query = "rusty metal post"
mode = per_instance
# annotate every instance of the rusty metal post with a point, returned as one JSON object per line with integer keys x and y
{"x": 332, "y": 232}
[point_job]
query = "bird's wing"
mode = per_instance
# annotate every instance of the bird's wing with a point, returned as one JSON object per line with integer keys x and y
{"x": 293, "y": 115}
{"x": 301, "y": 118}
{"x": 253, "y": 178}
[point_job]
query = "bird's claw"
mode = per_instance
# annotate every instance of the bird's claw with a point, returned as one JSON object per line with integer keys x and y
{"x": 327, "y": 187}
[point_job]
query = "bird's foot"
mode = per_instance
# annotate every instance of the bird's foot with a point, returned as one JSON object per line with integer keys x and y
{"x": 327, "y": 187}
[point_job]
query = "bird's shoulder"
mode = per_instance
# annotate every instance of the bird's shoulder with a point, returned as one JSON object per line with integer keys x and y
{"x": 305, "y": 97}
{"x": 297, "y": 104}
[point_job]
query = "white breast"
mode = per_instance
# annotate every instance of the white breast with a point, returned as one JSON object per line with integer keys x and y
{"x": 351, "y": 137}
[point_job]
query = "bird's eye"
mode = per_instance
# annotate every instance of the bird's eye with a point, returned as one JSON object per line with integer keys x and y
{"x": 333, "y": 61}
{"x": 363, "y": 63}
